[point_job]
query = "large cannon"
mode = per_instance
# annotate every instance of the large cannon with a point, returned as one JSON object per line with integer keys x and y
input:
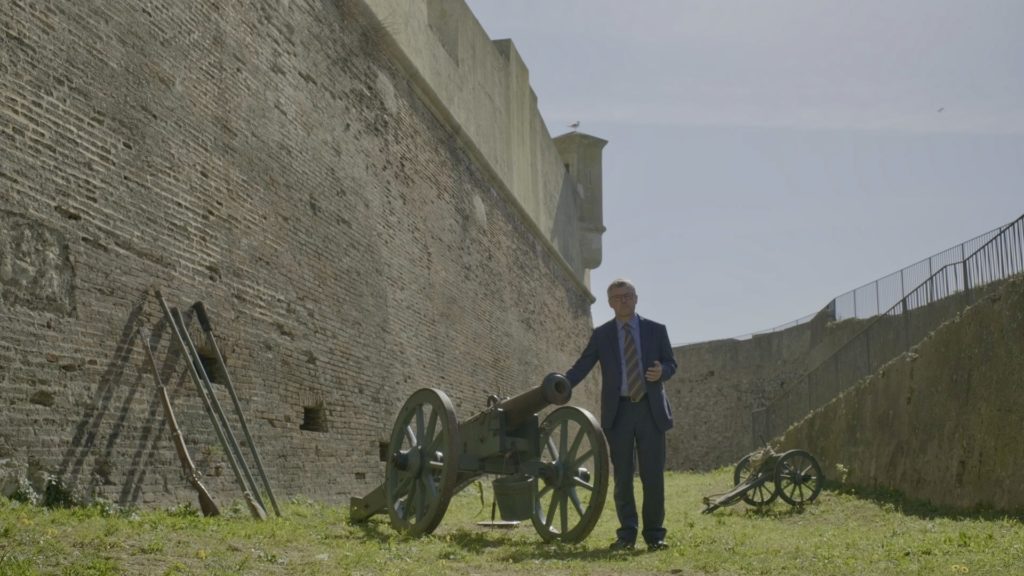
{"x": 554, "y": 473}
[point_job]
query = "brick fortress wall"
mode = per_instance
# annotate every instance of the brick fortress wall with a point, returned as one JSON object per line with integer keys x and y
{"x": 271, "y": 160}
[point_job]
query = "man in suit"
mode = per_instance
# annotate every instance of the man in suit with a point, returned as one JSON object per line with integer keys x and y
{"x": 636, "y": 359}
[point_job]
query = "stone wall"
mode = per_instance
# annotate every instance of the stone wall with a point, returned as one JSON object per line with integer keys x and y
{"x": 720, "y": 383}
{"x": 274, "y": 161}
{"x": 941, "y": 422}
{"x": 731, "y": 396}
{"x": 876, "y": 341}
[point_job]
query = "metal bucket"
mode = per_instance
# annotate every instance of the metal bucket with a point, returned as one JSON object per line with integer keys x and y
{"x": 515, "y": 496}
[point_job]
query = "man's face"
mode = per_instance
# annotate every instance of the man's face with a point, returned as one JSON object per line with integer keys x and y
{"x": 623, "y": 301}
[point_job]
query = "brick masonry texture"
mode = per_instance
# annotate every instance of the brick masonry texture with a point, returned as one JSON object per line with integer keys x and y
{"x": 269, "y": 159}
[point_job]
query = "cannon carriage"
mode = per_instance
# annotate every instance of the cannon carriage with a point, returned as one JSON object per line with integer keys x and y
{"x": 761, "y": 476}
{"x": 554, "y": 473}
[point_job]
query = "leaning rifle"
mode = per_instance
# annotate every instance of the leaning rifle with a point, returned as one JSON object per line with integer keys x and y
{"x": 206, "y": 503}
{"x": 213, "y": 410}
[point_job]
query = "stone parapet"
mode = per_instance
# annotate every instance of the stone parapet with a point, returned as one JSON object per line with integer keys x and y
{"x": 481, "y": 89}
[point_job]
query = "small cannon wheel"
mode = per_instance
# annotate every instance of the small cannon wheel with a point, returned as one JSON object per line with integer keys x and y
{"x": 762, "y": 493}
{"x": 573, "y": 481}
{"x": 798, "y": 477}
{"x": 420, "y": 475}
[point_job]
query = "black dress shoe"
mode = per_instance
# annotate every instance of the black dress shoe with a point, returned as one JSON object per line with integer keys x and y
{"x": 621, "y": 545}
{"x": 657, "y": 545}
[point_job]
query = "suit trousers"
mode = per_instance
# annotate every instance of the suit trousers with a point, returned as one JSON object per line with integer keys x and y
{"x": 634, "y": 428}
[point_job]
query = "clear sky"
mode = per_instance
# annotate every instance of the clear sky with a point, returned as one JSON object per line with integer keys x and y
{"x": 766, "y": 157}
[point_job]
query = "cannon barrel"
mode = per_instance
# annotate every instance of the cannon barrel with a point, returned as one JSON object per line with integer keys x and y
{"x": 555, "y": 389}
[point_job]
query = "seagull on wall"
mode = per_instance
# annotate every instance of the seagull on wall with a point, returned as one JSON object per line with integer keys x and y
{"x": 574, "y": 125}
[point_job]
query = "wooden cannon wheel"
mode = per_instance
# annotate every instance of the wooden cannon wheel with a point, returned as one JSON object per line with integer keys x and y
{"x": 763, "y": 492}
{"x": 421, "y": 471}
{"x": 798, "y": 477}
{"x": 573, "y": 480}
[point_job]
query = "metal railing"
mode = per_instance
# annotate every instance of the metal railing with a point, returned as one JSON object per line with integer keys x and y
{"x": 947, "y": 290}
{"x": 873, "y": 298}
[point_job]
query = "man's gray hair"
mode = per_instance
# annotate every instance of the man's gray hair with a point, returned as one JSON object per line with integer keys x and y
{"x": 621, "y": 283}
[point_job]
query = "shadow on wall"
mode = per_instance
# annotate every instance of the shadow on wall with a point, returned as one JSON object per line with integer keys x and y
{"x": 109, "y": 412}
{"x": 83, "y": 444}
{"x": 567, "y": 238}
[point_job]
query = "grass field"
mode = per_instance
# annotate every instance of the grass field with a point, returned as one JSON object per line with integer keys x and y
{"x": 839, "y": 534}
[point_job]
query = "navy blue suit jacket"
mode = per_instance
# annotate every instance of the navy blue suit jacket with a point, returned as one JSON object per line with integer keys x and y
{"x": 604, "y": 348}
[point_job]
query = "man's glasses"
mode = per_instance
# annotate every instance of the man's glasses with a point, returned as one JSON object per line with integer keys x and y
{"x": 622, "y": 298}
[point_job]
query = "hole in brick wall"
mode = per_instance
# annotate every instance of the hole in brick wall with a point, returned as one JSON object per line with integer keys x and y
{"x": 43, "y": 398}
{"x": 69, "y": 214}
{"x": 214, "y": 369}
{"x": 314, "y": 418}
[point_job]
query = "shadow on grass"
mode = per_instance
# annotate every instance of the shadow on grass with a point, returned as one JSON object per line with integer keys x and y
{"x": 374, "y": 529}
{"x": 478, "y": 541}
{"x": 902, "y": 504}
{"x": 886, "y": 498}
{"x": 541, "y": 551}
{"x": 518, "y": 550}
{"x": 775, "y": 510}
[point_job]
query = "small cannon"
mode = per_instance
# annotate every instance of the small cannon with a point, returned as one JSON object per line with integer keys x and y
{"x": 764, "y": 474}
{"x": 554, "y": 473}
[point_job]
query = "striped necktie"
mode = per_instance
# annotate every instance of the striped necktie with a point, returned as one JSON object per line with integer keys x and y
{"x": 634, "y": 380}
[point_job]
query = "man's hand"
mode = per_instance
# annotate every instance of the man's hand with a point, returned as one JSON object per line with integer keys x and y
{"x": 653, "y": 373}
